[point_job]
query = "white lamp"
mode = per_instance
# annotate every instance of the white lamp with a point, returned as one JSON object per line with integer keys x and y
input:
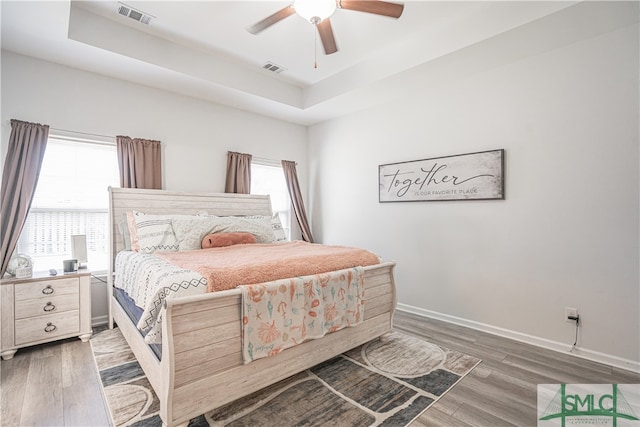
{"x": 314, "y": 11}
{"x": 79, "y": 249}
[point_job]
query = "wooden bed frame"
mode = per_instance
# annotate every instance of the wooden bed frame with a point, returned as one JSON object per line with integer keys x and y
{"x": 202, "y": 367}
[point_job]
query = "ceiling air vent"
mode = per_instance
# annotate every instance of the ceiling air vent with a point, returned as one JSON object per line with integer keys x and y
{"x": 275, "y": 68}
{"x": 134, "y": 14}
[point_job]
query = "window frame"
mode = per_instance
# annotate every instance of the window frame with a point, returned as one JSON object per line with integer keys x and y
{"x": 286, "y": 222}
{"x": 24, "y": 242}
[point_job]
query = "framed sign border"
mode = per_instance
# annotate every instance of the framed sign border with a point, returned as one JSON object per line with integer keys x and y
{"x": 502, "y": 181}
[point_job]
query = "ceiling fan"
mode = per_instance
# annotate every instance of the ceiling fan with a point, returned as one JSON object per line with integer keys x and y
{"x": 318, "y": 12}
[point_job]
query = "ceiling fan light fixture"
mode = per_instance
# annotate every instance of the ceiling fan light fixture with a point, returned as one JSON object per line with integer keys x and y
{"x": 314, "y": 11}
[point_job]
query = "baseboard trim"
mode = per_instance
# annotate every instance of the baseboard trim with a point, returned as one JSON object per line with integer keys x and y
{"x": 99, "y": 320}
{"x": 595, "y": 356}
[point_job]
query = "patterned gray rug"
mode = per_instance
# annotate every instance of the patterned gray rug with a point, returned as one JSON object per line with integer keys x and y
{"x": 377, "y": 384}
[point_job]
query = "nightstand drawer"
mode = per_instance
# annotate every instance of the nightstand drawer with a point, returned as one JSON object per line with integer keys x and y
{"x": 47, "y": 327}
{"x": 46, "y": 289}
{"x": 46, "y": 305}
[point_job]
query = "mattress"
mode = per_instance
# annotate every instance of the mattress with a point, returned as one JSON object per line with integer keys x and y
{"x": 134, "y": 313}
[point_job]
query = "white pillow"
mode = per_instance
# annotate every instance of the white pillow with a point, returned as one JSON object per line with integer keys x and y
{"x": 275, "y": 224}
{"x": 190, "y": 232}
{"x": 277, "y": 228}
{"x": 153, "y": 233}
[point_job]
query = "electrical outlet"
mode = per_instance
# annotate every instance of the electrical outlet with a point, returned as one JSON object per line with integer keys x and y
{"x": 570, "y": 312}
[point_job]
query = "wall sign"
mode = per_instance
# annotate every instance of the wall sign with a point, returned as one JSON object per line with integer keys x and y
{"x": 473, "y": 176}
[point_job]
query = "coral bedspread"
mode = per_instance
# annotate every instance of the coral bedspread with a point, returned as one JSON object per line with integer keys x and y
{"x": 247, "y": 264}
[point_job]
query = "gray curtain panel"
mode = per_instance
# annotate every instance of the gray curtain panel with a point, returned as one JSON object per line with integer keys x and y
{"x": 238, "y": 173}
{"x": 25, "y": 153}
{"x": 140, "y": 162}
{"x": 291, "y": 176}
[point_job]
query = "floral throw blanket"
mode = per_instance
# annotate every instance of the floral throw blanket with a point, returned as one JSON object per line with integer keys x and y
{"x": 283, "y": 313}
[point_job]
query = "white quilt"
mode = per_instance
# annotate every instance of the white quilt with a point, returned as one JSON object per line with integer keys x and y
{"x": 149, "y": 280}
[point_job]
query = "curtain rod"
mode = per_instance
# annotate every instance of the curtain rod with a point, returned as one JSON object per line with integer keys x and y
{"x": 8, "y": 123}
{"x": 266, "y": 160}
{"x": 82, "y": 133}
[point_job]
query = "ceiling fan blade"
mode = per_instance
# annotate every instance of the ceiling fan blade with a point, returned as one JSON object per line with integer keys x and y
{"x": 270, "y": 20}
{"x": 393, "y": 10}
{"x": 326, "y": 35}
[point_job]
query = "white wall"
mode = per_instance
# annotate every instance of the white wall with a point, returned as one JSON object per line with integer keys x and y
{"x": 567, "y": 233}
{"x": 195, "y": 134}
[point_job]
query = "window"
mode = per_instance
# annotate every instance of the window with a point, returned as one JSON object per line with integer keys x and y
{"x": 71, "y": 198}
{"x": 268, "y": 178}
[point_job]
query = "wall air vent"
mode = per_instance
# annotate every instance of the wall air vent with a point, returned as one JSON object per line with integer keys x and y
{"x": 270, "y": 66}
{"x": 134, "y": 14}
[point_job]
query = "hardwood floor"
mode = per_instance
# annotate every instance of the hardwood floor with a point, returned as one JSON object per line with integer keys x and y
{"x": 53, "y": 384}
{"x": 502, "y": 389}
{"x": 56, "y": 384}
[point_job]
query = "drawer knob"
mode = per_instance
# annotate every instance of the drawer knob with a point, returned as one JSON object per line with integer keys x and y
{"x": 48, "y": 290}
{"x": 50, "y": 327}
{"x": 49, "y": 307}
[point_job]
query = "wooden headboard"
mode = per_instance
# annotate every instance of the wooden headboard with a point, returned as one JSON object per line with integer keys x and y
{"x": 174, "y": 202}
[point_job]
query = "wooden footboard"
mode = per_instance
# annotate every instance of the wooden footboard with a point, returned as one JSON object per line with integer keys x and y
{"x": 202, "y": 366}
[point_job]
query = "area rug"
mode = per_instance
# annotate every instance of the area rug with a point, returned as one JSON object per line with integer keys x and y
{"x": 386, "y": 383}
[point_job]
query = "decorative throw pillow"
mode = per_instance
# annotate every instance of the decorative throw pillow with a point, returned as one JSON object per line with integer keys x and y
{"x": 278, "y": 231}
{"x": 190, "y": 232}
{"x": 218, "y": 240}
{"x": 154, "y": 233}
{"x": 133, "y": 235}
{"x": 274, "y": 223}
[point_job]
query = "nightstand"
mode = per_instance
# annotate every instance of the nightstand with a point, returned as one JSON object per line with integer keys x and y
{"x": 44, "y": 308}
